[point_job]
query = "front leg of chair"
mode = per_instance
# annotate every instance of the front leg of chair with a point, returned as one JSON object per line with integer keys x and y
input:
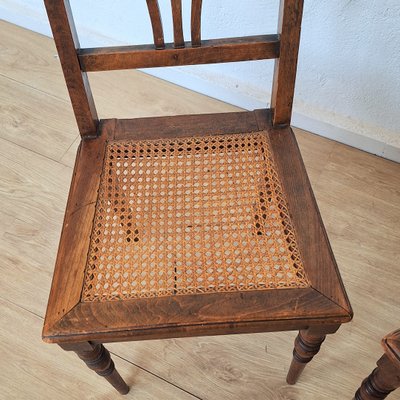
{"x": 98, "y": 359}
{"x": 306, "y": 346}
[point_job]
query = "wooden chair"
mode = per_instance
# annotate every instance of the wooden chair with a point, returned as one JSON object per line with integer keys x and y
{"x": 386, "y": 377}
{"x": 189, "y": 225}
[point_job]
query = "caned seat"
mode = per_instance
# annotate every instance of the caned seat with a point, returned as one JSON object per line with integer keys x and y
{"x": 189, "y": 225}
{"x": 190, "y": 215}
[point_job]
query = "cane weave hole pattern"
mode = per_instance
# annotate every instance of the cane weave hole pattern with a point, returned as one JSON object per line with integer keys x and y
{"x": 192, "y": 215}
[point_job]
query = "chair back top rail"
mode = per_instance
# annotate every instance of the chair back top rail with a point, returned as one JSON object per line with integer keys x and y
{"x": 76, "y": 61}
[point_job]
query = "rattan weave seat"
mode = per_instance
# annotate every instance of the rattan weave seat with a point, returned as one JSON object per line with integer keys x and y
{"x": 189, "y": 225}
{"x": 195, "y": 215}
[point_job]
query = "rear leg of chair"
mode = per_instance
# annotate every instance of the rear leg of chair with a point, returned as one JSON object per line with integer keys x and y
{"x": 98, "y": 359}
{"x": 382, "y": 381}
{"x": 306, "y": 346}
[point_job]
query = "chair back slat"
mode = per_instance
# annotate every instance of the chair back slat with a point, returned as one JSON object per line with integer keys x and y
{"x": 196, "y": 23}
{"x": 156, "y": 23}
{"x": 176, "y": 6}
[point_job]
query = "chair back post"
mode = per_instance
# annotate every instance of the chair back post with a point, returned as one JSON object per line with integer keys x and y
{"x": 289, "y": 26}
{"x": 67, "y": 43}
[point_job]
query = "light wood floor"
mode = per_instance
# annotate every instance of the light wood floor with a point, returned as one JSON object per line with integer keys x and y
{"x": 359, "y": 197}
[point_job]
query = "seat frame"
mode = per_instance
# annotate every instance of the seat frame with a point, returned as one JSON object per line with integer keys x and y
{"x": 84, "y": 326}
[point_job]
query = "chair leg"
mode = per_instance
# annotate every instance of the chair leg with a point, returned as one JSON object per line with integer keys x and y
{"x": 382, "y": 381}
{"x": 98, "y": 359}
{"x": 306, "y": 346}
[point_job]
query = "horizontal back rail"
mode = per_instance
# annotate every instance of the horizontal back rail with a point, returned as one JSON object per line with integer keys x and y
{"x": 211, "y": 51}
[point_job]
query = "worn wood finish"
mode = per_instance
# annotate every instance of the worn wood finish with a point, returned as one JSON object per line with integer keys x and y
{"x": 144, "y": 318}
{"x": 315, "y": 310}
{"x": 195, "y": 315}
{"x": 156, "y": 23}
{"x": 98, "y": 359}
{"x": 313, "y": 242}
{"x": 196, "y": 23}
{"x": 176, "y": 6}
{"x": 66, "y": 38}
{"x": 354, "y": 189}
{"x": 70, "y": 264}
{"x": 386, "y": 377}
{"x": 290, "y": 16}
{"x": 306, "y": 346}
{"x": 212, "y": 51}
{"x": 186, "y": 125}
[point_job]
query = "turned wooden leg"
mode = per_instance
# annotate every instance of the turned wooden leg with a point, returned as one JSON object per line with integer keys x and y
{"x": 98, "y": 358}
{"x": 306, "y": 346}
{"x": 382, "y": 381}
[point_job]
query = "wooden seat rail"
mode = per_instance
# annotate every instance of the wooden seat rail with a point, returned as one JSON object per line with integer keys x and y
{"x": 77, "y": 61}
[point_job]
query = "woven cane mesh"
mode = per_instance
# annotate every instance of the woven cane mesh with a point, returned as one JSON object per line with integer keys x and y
{"x": 190, "y": 215}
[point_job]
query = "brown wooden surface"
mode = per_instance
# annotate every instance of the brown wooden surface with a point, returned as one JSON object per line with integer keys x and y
{"x": 156, "y": 23}
{"x": 188, "y": 315}
{"x": 383, "y": 380}
{"x": 312, "y": 238}
{"x": 186, "y": 125}
{"x": 196, "y": 23}
{"x": 386, "y": 377}
{"x": 323, "y": 304}
{"x": 74, "y": 241}
{"x": 98, "y": 359}
{"x": 306, "y": 346}
{"x": 195, "y": 315}
{"x": 66, "y": 39}
{"x": 176, "y": 6}
{"x": 211, "y": 51}
{"x": 290, "y": 16}
{"x": 358, "y": 195}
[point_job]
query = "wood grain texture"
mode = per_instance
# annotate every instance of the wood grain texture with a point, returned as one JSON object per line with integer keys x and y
{"x": 176, "y": 6}
{"x": 195, "y": 315}
{"x": 358, "y": 195}
{"x": 28, "y": 375}
{"x": 156, "y": 23}
{"x": 98, "y": 359}
{"x": 211, "y": 314}
{"x": 313, "y": 241}
{"x": 22, "y": 125}
{"x": 212, "y": 51}
{"x": 290, "y": 15}
{"x": 75, "y": 236}
{"x": 196, "y": 23}
{"x": 66, "y": 38}
{"x": 386, "y": 377}
{"x": 187, "y": 125}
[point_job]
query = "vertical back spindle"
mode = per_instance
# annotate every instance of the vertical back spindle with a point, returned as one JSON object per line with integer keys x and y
{"x": 196, "y": 23}
{"x": 156, "y": 23}
{"x": 179, "y": 41}
{"x": 67, "y": 43}
{"x": 289, "y": 26}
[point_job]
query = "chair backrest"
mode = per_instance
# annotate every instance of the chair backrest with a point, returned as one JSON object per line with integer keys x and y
{"x": 76, "y": 62}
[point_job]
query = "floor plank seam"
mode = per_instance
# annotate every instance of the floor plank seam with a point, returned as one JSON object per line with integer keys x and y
{"x": 64, "y": 100}
{"x": 156, "y": 376}
{"x": 38, "y": 154}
